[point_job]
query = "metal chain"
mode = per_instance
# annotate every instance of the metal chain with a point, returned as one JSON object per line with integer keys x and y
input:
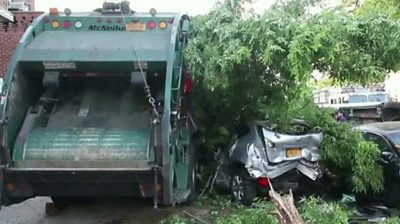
{"x": 152, "y": 101}
{"x": 147, "y": 91}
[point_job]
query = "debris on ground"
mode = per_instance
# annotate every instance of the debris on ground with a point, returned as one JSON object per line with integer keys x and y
{"x": 285, "y": 207}
{"x": 372, "y": 214}
{"x": 347, "y": 199}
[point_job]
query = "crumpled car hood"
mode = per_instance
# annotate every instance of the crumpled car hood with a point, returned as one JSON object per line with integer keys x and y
{"x": 278, "y": 144}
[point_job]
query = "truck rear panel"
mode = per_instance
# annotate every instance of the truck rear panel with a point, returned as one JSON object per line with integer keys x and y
{"x": 77, "y": 120}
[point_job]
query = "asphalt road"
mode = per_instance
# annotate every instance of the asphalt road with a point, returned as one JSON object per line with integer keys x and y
{"x": 102, "y": 211}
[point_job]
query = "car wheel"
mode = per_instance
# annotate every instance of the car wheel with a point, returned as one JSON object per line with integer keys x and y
{"x": 243, "y": 189}
{"x": 392, "y": 197}
{"x": 364, "y": 199}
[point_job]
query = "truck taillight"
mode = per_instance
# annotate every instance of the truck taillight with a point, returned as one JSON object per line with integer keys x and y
{"x": 78, "y": 24}
{"x": 55, "y": 24}
{"x": 151, "y": 24}
{"x": 162, "y": 25}
{"x": 10, "y": 187}
{"x": 67, "y": 24}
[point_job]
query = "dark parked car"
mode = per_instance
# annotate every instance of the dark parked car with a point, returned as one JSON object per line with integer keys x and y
{"x": 387, "y": 136}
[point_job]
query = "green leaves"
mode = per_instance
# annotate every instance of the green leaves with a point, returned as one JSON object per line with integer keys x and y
{"x": 314, "y": 210}
{"x": 221, "y": 211}
{"x": 250, "y": 67}
{"x": 366, "y": 155}
{"x": 346, "y": 153}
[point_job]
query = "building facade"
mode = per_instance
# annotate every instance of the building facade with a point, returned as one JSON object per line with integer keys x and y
{"x": 11, "y": 30}
{"x": 352, "y": 95}
{"x": 393, "y": 86}
{"x": 4, "y": 4}
{"x": 5, "y": 15}
{"x": 22, "y": 5}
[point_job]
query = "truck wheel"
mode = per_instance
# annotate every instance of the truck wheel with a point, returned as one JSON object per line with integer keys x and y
{"x": 1, "y": 187}
{"x": 243, "y": 189}
{"x": 192, "y": 178}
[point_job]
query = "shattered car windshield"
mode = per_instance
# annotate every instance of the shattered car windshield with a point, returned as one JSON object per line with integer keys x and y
{"x": 295, "y": 128}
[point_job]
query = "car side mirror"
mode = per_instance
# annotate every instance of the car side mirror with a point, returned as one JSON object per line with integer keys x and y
{"x": 387, "y": 156}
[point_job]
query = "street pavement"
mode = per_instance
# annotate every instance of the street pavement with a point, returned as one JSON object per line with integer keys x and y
{"x": 104, "y": 211}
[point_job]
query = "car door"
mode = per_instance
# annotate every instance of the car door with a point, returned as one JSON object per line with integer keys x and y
{"x": 391, "y": 166}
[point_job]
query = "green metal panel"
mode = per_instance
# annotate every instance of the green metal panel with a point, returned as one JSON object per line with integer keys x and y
{"x": 95, "y": 46}
{"x": 169, "y": 150}
{"x": 182, "y": 174}
{"x": 172, "y": 93}
{"x": 101, "y": 66}
{"x": 84, "y": 144}
{"x": 16, "y": 120}
{"x": 106, "y": 23}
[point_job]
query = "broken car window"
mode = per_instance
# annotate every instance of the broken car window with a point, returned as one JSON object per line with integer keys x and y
{"x": 379, "y": 140}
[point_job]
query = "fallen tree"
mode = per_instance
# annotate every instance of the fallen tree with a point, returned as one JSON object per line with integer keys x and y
{"x": 248, "y": 66}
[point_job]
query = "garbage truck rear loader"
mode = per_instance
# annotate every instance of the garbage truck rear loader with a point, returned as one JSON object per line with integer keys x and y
{"x": 92, "y": 106}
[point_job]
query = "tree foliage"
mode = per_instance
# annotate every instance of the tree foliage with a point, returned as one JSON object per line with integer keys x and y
{"x": 249, "y": 66}
{"x": 346, "y": 153}
{"x": 388, "y": 7}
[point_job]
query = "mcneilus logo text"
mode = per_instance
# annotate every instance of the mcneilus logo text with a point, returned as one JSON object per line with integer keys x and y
{"x": 106, "y": 28}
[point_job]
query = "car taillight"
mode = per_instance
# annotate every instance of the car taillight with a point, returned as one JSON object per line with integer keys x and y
{"x": 151, "y": 24}
{"x": 269, "y": 144}
{"x": 263, "y": 182}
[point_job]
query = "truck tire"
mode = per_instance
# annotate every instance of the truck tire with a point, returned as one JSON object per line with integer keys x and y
{"x": 192, "y": 178}
{"x": 243, "y": 189}
{"x": 1, "y": 187}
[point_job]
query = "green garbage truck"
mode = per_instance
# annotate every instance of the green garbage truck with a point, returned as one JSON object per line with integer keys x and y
{"x": 93, "y": 105}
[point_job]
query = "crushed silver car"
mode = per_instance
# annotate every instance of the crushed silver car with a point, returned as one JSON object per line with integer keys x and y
{"x": 260, "y": 156}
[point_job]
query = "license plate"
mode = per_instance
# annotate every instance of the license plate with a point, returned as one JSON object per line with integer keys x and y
{"x": 293, "y": 152}
{"x": 135, "y": 27}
